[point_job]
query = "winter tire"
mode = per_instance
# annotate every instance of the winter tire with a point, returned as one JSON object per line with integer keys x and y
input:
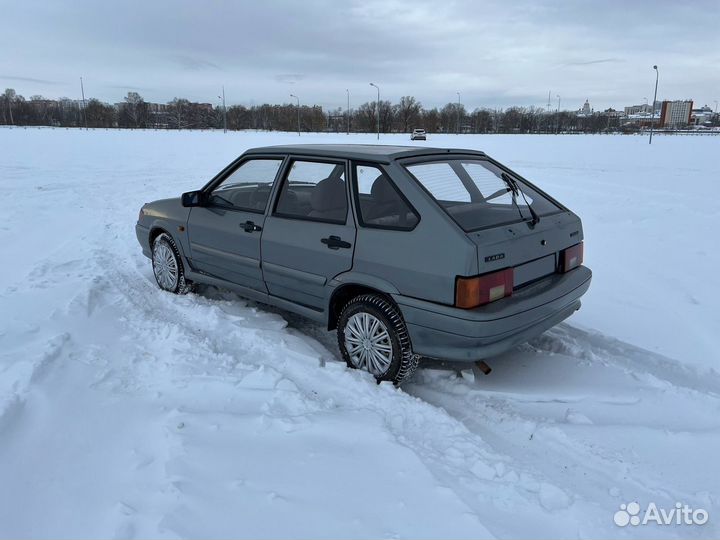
{"x": 167, "y": 265}
{"x": 372, "y": 335}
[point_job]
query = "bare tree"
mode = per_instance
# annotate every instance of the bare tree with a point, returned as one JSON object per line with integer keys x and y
{"x": 387, "y": 115}
{"x": 365, "y": 117}
{"x": 134, "y": 111}
{"x": 9, "y": 97}
{"x": 99, "y": 114}
{"x": 431, "y": 120}
{"x": 179, "y": 113}
{"x": 482, "y": 121}
{"x": 408, "y": 113}
{"x": 452, "y": 117}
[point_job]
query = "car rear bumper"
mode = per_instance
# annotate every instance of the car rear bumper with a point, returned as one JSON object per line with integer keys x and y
{"x": 143, "y": 236}
{"x": 449, "y": 333}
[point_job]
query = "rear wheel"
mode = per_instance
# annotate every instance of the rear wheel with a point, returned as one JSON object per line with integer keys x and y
{"x": 167, "y": 265}
{"x": 372, "y": 336}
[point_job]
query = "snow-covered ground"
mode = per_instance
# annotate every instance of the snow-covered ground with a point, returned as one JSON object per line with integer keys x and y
{"x": 129, "y": 412}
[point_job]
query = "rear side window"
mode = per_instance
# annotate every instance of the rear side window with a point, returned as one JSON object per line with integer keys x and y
{"x": 314, "y": 190}
{"x": 379, "y": 202}
{"x": 247, "y": 187}
{"x": 475, "y": 194}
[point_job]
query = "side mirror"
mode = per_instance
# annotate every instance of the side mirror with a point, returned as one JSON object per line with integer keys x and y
{"x": 193, "y": 198}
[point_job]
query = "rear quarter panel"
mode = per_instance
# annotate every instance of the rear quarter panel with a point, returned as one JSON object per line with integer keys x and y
{"x": 421, "y": 263}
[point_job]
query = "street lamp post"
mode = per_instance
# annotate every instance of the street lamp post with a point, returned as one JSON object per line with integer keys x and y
{"x": 224, "y": 110}
{"x": 298, "y": 111}
{"x": 558, "y": 113}
{"x": 652, "y": 118}
{"x": 377, "y": 109}
{"x": 348, "y": 110}
{"x": 82, "y": 92}
{"x": 458, "y": 113}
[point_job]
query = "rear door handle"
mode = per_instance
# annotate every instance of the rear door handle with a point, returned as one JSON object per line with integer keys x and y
{"x": 249, "y": 226}
{"x": 335, "y": 242}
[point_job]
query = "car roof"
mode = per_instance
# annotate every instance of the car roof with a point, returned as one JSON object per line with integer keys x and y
{"x": 382, "y": 153}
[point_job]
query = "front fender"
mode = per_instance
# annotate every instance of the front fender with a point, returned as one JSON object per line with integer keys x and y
{"x": 172, "y": 217}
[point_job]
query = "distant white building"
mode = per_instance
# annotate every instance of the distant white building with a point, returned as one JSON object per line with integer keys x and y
{"x": 637, "y": 109}
{"x": 586, "y": 109}
{"x": 702, "y": 116}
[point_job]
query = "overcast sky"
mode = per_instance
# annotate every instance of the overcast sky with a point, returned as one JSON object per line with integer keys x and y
{"x": 495, "y": 53}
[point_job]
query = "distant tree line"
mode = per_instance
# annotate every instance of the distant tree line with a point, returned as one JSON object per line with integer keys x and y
{"x": 402, "y": 117}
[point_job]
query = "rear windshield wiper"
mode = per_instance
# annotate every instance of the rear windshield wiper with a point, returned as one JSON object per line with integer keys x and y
{"x": 515, "y": 189}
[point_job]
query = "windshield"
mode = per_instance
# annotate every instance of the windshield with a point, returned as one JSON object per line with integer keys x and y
{"x": 475, "y": 195}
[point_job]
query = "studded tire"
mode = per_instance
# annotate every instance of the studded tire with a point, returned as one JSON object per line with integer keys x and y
{"x": 403, "y": 361}
{"x": 164, "y": 249}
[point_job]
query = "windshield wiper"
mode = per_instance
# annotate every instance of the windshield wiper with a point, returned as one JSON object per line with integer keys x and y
{"x": 515, "y": 189}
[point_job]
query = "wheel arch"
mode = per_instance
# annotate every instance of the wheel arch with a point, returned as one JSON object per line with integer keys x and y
{"x": 158, "y": 228}
{"x": 155, "y": 231}
{"x": 352, "y": 286}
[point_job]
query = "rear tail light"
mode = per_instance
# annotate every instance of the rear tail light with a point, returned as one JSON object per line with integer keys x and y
{"x": 572, "y": 257}
{"x": 480, "y": 290}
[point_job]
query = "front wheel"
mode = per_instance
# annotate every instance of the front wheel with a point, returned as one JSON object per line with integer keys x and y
{"x": 372, "y": 335}
{"x": 167, "y": 265}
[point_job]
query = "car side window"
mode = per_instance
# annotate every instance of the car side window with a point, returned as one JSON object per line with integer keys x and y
{"x": 247, "y": 187}
{"x": 315, "y": 191}
{"x": 380, "y": 203}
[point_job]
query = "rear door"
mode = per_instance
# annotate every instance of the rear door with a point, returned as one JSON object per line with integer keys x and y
{"x": 225, "y": 234}
{"x": 309, "y": 237}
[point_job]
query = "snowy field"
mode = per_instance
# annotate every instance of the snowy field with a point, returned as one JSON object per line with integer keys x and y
{"x": 129, "y": 412}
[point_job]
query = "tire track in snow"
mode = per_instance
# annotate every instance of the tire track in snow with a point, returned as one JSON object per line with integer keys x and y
{"x": 458, "y": 458}
{"x": 600, "y": 460}
{"x": 18, "y": 375}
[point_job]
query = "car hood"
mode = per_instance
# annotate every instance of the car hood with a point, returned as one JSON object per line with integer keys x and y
{"x": 167, "y": 209}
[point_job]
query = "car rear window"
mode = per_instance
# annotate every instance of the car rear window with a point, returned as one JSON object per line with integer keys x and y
{"x": 475, "y": 195}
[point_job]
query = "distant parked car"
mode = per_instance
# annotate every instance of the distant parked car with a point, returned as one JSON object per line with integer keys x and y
{"x": 418, "y": 135}
{"x": 408, "y": 252}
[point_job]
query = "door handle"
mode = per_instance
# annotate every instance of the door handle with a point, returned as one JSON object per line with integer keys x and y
{"x": 335, "y": 242}
{"x": 249, "y": 226}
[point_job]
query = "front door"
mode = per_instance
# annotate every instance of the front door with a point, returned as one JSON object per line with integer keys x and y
{"x": 225, "y": 233}
{"x": 309, "y": 237}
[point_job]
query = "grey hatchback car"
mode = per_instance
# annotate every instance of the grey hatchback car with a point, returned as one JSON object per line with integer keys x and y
{"x": 409, "y": 253}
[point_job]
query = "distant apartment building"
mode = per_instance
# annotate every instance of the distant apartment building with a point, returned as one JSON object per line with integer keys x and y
{"x": 676, "y": 113}
{"x": 638, "y": 109}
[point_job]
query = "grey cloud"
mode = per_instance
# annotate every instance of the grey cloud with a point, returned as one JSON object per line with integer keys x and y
{"x": 290, "y": 78}
{"x": 494, "y": 53}
{"x": 195, "y": 64}
{"x": 26, "y": 79}
{"x": 590, "y": 62}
